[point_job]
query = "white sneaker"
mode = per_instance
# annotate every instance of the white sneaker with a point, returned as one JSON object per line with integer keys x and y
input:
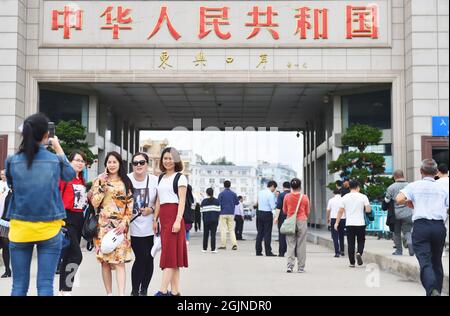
{"x": 66, "y": 293}
{"x": 214, "y": 251}
{"x": 204, "y": 251}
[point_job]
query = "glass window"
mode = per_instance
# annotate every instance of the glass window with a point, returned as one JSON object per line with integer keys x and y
{"x": 372, "y": 108}
{"x": 59, "y": 106}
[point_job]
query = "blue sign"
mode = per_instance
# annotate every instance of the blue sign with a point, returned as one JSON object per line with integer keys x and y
{"x": 440, "y": 126}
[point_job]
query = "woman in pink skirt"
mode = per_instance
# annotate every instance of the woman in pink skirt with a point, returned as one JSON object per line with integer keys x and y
{"x": 172, "y": 188}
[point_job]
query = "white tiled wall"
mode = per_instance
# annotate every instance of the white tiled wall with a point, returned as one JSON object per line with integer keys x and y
{"x": 426, "y": 34}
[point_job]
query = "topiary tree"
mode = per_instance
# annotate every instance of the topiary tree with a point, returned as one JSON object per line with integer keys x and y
{"x": 366, "y": 167}
{"x": 222, "y": 161}
{"x": 72, "y": 135}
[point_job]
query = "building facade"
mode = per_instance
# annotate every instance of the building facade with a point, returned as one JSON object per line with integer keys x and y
{"x": 314, "y": 67}
{"x": 244, "y": 181}
{"x": 276, "y": 172}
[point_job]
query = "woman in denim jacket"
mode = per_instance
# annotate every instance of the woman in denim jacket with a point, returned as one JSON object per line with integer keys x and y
{"x": 36, "y": 210}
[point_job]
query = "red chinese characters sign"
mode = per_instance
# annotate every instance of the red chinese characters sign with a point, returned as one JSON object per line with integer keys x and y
{"x": 117, "y": 19}
{"x": 241, "y": 23}
{"x": 67, "y": 16}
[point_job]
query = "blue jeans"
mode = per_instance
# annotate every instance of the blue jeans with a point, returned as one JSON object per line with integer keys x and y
{"x": 48, "y": 252}
{"x": 338, "y": 236}
{"x": 428, "y": 239}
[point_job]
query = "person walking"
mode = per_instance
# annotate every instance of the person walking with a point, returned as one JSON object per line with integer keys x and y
{"x": 141, "y": 227}
{"x": 170, "y": 207}
{"x": 280, "y": 217}
{"x": 264, "y": 219}
{"x": 112, "y": 194}
{"x": 5, "y": 196}
{"x": 443, "y": 180}
{"x": 403, "y": 215}
{"x": 36, "y": 210}
{"x": 210, "y": 209}
{"x": 74, "y": 197}
{"x": 296, "y": 244}
{"x": 239, "y": 219}
{"x": 430, "y": 203}
{"x": 338, "y": 235}
{"x": 353, "y": 206}
{"x": 228, "y": 201}
{"x": 197, "y": 217}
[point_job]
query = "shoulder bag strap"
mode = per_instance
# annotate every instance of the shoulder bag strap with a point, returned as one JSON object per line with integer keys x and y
{"x": 146, "y": 192}
{"x": 298, "y": 204}
{"x": 160, "y": 177}
{"x": 175, "y": 183}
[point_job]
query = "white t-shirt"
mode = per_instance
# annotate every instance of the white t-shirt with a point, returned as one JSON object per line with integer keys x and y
{"x": 444, "y": 183}
{"x": 354, "y": 205}
{"x": 3, "y": 193}
{"x": 334, "y": 204}
{"x": 3, "y": 187}
{"x": 142, "y": 226}
{"x": 165, "y": 189}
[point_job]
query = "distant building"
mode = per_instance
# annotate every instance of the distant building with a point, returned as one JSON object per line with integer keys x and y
{"x": 244, "y": 181}
{"x": 154, "y": 148}
{"x": 277, "y": 172}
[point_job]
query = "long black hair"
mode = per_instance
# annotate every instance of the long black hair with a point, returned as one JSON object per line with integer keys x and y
{"x": 34, "y": 129}
{"x": 122, "y": 172}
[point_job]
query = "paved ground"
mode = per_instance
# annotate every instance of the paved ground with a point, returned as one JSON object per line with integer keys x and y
{"x": 241, "y": 273}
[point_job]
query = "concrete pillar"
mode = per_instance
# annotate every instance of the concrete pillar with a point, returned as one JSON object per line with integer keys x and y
{"x": 315, "y": 181}
{"x": 310, "y": 178}
{"x": 13, "y": 15}
{"x": 426, "y": 73}
{"x": 92, "y": 130}
{"x": 337, "y": 125}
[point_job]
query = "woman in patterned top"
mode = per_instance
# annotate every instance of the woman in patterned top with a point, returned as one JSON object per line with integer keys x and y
{"x": 112, "y": 194}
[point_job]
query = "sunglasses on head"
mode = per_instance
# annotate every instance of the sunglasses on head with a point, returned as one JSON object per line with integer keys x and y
{"x": 140, "y": 162}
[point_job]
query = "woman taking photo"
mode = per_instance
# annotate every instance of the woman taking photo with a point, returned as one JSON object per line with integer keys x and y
{"x": 296, "y": 202}
{"x": 141, "y": 228}
{"x": 36, "y": 210}
{"x": 74, "y": 198}
{"x": 169, "y": 211}
{"x": 112, "y": 194}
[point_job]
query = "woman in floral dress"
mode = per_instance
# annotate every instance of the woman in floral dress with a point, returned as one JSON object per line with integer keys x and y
{"x": 112, "y": 196}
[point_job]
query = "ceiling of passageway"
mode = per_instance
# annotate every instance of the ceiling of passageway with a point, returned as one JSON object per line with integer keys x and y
{"x": 166, "y": 105}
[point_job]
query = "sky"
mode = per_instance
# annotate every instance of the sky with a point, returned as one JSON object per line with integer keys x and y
{"x": 242, "y": 148}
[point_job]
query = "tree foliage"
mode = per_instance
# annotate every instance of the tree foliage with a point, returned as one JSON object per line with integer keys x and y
{"x": 222, "y": 161}
{"x": 72, "y": 135}
{"x": 366, "y": 167}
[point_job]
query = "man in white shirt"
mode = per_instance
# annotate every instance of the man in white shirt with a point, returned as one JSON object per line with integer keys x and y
{"x": 264, "y": 219}
{"x": 239, "y": 219}
{"x": 443, "y": 180}
{"x": 353, "y": 205}
{"x": 430, "y": 203}
{"x": 334, "y": 204}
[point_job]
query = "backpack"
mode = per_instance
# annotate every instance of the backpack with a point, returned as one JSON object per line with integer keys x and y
{"x": 189, "y": 214}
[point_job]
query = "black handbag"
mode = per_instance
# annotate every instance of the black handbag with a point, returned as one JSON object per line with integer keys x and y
{"x": 90, "y": 225}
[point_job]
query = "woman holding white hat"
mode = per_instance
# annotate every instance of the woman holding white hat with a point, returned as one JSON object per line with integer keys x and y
{"x": 112, "y": 193}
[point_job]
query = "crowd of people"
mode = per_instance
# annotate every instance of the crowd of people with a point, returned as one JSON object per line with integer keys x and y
{"x": 48, "y": 197}
{"x": 44, "y": 198}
